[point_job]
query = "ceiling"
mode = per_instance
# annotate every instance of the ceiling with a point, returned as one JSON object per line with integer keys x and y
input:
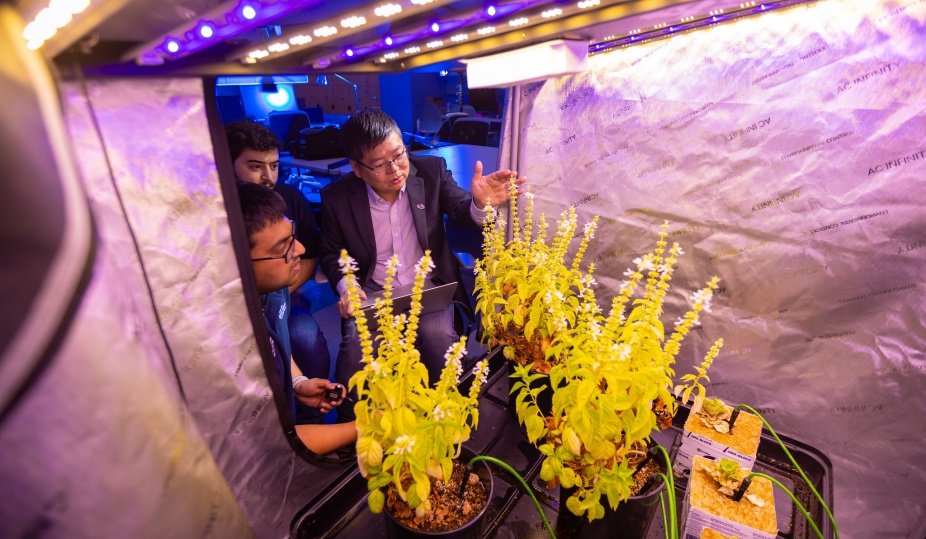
{"x": 133, "y": 37}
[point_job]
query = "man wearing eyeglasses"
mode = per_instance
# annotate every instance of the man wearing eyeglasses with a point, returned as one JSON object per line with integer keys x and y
{"x": 255, "y": 151}
{"x": 275, "y": 255}
{"x": 395, "y": 203}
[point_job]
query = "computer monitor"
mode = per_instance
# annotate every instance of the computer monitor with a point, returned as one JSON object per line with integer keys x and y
{"x": 433, "y": 298}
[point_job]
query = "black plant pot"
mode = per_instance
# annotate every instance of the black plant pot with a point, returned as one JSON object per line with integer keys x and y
{"x": 544, "y": 398}
{"x": 474, "y": 529}
{"x": 629, "y": 521}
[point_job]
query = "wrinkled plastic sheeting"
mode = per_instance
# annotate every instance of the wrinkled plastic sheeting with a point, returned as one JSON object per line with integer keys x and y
{"x": 787, "y": 153}
{"x": 159, "y": 147}
{"x": 99, "y": 443}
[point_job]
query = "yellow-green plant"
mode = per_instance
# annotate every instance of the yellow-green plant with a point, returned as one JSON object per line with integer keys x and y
{"x": 612, "y": 373}
{"x": 408, "y": 432}
{"x": 525, "y": 289}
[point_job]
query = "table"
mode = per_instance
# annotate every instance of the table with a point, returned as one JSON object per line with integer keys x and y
{"x": 461, "y": 160}
{"x": 318, "y": 166}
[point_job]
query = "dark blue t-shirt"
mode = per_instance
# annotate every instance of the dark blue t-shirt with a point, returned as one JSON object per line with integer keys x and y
{"x": 276, "y": 306}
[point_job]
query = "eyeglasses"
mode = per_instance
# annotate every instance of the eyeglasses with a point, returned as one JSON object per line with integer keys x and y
{"x": 290, "y": 250}
{"x": 397, "y": 162}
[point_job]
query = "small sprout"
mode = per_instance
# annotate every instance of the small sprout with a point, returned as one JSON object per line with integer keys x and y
{"x": 714, "y": 407}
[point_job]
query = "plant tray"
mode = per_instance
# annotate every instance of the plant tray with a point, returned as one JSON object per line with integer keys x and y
{"x": 341, "y": 511}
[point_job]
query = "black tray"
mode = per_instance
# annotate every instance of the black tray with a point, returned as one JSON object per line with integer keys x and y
{"x": 342, "y": 510}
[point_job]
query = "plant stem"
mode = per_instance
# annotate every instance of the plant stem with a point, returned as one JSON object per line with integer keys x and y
{"x": 524, "y": 484}
{"x": 662, "y": 506}
{"x": 672, "y": 523}
{"x": 799, "y": 470}
{"x": 797, "y": 503}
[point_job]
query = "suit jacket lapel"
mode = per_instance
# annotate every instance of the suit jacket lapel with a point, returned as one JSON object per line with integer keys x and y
{"x": 414, "y": 188}
{"x": 360, "y": 207}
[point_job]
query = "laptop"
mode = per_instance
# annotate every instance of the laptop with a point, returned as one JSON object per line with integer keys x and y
{"x": 433, "y": 298}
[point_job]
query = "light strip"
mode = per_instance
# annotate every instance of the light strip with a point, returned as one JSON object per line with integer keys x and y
{"x": 49, "y": 20}
{"x": 345, "y": 24}
{"x": 387, "y": 10}
{"x": 227, "y": 20}
{"x": 469, "y": 22}
{"x": 689, "y": 23}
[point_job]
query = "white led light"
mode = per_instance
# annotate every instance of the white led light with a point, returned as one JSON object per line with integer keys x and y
{"x": 59, "y": 18}
{"x": 435, "y": 44}
{"x": 353, "y": 22}
{"x": 248, "y": 12}
{"x": 205, "y": 31}
{"x": 486, "y": 30}
{"x": 70, "y": 6}
{"x": 412, "y": 50}
{"x": 391, "y": 55}
{"x": 551, "y": 13}
{"x": 34, "y": 44}
{"x": 173, "y": 46}
{"x": 387, "y": 10}
{"x": 518, "y": 22}
{"x": 31, "y": 31}
{"x": 258, "y": 54}
{"x": 278, "y": 47}
{"x": 588, "y": 3}
{"x": 421, "y": 2}
{"x": 300, "y": 40}
{"x": 349, "y": 52}
{"x": 325, "y": 31}
{"x": 459, "y": 37}
{"x": 388, "y": 40}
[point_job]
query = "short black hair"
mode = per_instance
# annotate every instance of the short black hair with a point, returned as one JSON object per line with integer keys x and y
{"x": 245, "y": 134}
{"x": 365, "y": 130}
{"x": 260, "y": 206}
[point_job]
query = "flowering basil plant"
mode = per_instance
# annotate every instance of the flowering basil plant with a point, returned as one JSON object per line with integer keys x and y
{"x": 526, "y": 289}
{"x": 408, "y": 432}
{"x": 611, "y": 375}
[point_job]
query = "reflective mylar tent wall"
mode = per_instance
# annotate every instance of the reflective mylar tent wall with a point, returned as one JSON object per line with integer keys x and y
{"x": 169, "y": 186}
{"x": 95, "y": 439}
{"x": 787, "y": 153}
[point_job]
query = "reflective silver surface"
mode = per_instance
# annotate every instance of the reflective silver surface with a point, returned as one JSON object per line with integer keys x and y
{"x": 787, "y": 152}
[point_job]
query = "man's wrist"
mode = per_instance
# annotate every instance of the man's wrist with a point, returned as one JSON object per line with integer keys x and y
{"x": 298, "y": 379}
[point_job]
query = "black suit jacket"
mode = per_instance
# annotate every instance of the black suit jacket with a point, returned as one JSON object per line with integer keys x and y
{"x": 346, "y": 221}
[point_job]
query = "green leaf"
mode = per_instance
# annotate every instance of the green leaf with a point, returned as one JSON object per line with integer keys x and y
{"x": 546, "y": 471}
{"x": 379, "y": 480}
{"x": 376, "y": 501}
{"x": 572, "y": 503}
{"x": 423, "y": 488}
{"x": 535, "y": 428}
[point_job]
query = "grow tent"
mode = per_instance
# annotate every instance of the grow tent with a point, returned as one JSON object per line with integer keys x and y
{"x": 785, "y": 149}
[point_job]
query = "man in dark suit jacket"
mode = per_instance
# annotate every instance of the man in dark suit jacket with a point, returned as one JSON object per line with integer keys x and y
{"x": 394, "y": 203}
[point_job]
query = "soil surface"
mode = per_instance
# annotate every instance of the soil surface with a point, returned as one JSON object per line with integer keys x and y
{"x": 448, "y": 510}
